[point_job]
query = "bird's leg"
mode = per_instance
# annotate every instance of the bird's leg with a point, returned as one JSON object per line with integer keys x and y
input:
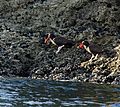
{"x": 96, "y": 57}
{"x": 59, "y": 48}
{"x": 91, "y": 58}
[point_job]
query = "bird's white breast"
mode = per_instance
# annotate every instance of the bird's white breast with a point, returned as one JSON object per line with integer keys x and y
{"x": 87, "y": 49}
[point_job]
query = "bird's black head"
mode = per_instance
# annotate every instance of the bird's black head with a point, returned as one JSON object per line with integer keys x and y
{"x": 49, "y": 35}
{"x": 52, "y": 35}
{"x": 86, "y": 43}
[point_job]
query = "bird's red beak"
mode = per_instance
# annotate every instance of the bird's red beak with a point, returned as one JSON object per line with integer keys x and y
{"x": 47, "y": 39}
{"x": 81, "y": 45}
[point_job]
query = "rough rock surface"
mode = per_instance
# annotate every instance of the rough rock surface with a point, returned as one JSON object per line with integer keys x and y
{"x": 23, "y": 53}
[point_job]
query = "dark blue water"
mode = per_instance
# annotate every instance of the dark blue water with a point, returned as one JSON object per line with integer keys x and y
{"x": 37, "y": 93}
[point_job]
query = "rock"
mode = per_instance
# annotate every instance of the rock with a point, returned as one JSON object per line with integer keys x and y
{"x": 23, "y": 52}
{"x": 116, "y": 80}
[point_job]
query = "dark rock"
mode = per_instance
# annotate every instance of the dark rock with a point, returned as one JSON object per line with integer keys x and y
{"x": 23, "y": 24}
{"x": 116, "y": 80}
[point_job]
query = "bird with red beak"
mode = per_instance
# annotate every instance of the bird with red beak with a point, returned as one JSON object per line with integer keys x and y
{"x": 91, "y": 48}
{"x": 58, "y": 41}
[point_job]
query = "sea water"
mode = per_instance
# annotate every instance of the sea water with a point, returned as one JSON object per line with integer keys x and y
{"x": 23, "y": 92}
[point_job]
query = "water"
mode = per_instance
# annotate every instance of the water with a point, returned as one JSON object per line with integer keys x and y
{"x": 36, "y": 93}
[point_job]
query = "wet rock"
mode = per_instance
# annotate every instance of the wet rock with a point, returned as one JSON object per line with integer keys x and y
{"x": 116, "y": 81}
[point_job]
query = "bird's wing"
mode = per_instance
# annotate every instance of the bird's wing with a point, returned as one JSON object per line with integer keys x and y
{"x": 94, "y": 48}
{"x": 62, "y": 41}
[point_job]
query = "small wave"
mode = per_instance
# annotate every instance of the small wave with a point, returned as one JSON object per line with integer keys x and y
{"x": 39, "y": 103}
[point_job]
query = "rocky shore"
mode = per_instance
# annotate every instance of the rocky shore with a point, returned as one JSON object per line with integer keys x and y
{"x": 23, "y": 53}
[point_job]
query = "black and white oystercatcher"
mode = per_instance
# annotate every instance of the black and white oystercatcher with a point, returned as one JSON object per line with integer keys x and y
{"x": 58, "y": 41}
{"x": 93, "y": 49}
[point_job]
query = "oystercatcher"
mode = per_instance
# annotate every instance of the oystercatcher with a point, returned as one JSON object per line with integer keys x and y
{"x": 93, "y": 49}
{"x": 58, "y": 41}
